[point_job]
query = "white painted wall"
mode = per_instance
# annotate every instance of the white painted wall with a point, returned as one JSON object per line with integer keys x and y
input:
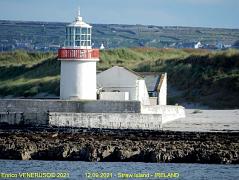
{"x": 169, "y": 113}
{"x": 162, "y": 97}
{"x": 114, "y": 96}
{"x": 142, "y": 92}
{"x": 117, "y": 78}
{"x": 153, "y": 101}
{"x": 78, "y": 79}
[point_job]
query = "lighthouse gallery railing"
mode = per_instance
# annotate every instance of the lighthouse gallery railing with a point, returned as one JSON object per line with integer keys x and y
{"x": 78, "y": 53}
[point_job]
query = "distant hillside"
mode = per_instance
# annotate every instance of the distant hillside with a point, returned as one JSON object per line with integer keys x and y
{"x": 46, "y": 36}
{"x": 207, "y": 77}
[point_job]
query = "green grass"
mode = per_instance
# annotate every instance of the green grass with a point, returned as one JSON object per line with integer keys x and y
{"x": 208, "y": 77}
{"x": 211, "y": 78}
{"x": 19, "y": 58}
{"x": 27, "y": 74}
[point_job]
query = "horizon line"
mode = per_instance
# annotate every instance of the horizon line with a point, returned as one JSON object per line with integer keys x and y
{"x": 233, "y": 28}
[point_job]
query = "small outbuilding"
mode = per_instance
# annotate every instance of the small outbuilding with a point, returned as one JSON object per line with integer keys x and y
{"x": 120, "y": 83}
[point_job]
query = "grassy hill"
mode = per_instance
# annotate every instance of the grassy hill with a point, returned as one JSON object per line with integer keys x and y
{"x": 27, "y": 74}
{"x": 45, "y": 36}
{"x": 207, "y": 77}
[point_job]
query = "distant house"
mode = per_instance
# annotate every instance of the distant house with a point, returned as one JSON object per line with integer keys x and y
{"x": 198, "y": 45}
{"x": 120, "y": 83}
{"x": 102, "y": 47}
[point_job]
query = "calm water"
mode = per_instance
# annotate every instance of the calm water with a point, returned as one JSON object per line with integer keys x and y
{"x": 79, "y": 170}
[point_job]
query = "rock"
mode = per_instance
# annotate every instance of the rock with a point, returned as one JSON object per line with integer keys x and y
{"x": 106, "y": 151}
{"x": 26, "y": 155}
{"x": 121, "y": 146}
{"x": 54, "y": 135}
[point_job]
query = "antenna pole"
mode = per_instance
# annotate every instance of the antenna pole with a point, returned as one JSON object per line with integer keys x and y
{"x": 79, "y": 11}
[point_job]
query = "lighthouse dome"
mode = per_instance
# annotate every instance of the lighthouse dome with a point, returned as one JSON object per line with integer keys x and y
{"x": 79, "y": 22}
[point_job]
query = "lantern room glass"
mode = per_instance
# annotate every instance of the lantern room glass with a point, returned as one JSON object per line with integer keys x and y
{"x": 78, "y": 36}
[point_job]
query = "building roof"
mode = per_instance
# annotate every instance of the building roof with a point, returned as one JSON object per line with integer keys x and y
{"x": 139, "y": 75}
{"x": 135, "y": 73}
{"x": 79, "y": 24}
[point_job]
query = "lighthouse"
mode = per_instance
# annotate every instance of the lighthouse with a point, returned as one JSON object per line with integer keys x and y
{"x": 78, "y": 62}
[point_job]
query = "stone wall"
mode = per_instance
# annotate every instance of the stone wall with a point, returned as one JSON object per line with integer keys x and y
{"x": 35, "y": 112}
{"x": 20, "y": 118}
{"x": 88, "y": 114}
{"x": 10, "y": 118}
{"x": 44, "y": 106}
{"x": 107, "y": 120}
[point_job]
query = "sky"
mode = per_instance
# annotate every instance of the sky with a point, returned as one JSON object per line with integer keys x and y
{"x": 196, "y": 13}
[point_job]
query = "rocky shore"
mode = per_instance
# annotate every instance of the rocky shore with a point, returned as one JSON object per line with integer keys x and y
{"x": 134, "y": 146}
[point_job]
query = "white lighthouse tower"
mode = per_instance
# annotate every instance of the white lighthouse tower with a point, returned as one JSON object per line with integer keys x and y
{"x": 78, "y": 62}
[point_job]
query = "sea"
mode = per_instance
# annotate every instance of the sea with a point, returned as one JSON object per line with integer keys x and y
{"x": 77, "y": 170}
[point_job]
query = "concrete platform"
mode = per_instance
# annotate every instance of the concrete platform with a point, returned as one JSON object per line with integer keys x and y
{"x": 206, "y": 121}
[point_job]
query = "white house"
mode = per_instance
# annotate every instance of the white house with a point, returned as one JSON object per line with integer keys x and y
{"x": 102, "y": 47}
{"x": 198, "y": 45}
{"x": 120, "y": 83}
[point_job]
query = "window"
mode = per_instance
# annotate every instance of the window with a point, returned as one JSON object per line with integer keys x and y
{"x": 77, "y": 38}
{"x": 77, "y": 43}
{"x": 69, "y": 36}
{"x": 83, "y": 43}
{"x": 78, "y": 31}
{"x": 71, "y": 30}
{"x": 83, "y": 37}
{"x": 84, "y": 31}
